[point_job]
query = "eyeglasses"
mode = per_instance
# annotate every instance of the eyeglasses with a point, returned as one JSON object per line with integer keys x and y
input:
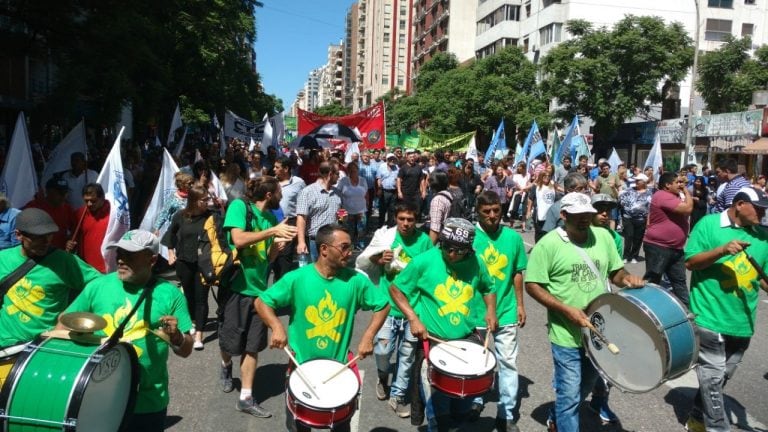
{"x": 344, "y": 248}
{"x": 460, "y": 251}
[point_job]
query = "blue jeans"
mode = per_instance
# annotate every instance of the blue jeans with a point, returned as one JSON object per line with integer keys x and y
{"x": 312, "y": 250}
{"x": 574, "y": 378}
{"x": 505, "y": 346}
{"x": 719, "y": 355}
{"x": 395, "y": 334}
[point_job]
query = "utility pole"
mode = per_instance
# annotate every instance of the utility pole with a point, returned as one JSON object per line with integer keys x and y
{"x": 690, "y": 151}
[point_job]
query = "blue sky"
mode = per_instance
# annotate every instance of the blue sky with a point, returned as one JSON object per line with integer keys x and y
{"x": 293, "y": 38}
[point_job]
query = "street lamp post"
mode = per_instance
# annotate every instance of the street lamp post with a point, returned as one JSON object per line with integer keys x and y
{"x": 690, "y": 151}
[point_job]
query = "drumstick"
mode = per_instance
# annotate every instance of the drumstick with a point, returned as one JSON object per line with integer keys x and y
{"x": 303, "y": 377}
{"x": 342, "y": 369}
{"x": 438, "y": 340}
{"x": 485, "y": 346}
{"x": 162, "y": 335}
{"x": 757, "y": 267}
{"x": 611, "y": 347}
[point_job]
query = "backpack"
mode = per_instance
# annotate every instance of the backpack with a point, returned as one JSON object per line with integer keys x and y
{"x": 217, "y": 261}
{"x": 459, "y": 206}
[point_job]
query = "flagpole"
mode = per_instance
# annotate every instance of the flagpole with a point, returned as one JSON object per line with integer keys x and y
{"x": 85, "y": 147}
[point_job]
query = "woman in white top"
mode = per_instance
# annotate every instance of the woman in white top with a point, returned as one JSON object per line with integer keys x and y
{"x": 354, "y": 197}
{"x": 233, "y": 184}
{"x": 522, "y": 185}
{"x": 540, "y": 199}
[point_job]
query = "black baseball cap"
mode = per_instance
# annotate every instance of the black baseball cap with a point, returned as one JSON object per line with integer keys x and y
{"x": 36, "y": 222}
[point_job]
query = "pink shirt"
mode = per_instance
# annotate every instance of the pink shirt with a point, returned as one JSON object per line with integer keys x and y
{"x": 665, "y": 227}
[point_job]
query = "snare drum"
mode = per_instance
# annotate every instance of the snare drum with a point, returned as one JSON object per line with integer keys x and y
{"x": 60, "y": 384}
{"x": 654, "y": 332}
{"x": 336, "y": 400}
{"x": 460, "y": 368}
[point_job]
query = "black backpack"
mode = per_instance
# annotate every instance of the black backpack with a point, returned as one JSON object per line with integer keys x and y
{"x": 459, "y": 206}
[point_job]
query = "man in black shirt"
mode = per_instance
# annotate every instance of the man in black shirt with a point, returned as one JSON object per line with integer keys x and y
{"x": 411, "y": 182}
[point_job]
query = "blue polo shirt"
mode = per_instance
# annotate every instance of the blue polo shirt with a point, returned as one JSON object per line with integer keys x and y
{"x": 8, "y": 228}
{"x": 388, "y": 176}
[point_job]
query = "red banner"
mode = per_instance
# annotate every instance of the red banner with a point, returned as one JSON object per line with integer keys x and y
{"x": 369, "y": 122}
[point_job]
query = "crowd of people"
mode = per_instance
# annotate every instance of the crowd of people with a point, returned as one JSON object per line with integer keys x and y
{"x": 440, "y": 258}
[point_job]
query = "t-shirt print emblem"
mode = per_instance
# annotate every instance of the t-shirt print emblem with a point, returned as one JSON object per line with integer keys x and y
{"x": 326, "y": 317}
{"x": 455, "y": 295}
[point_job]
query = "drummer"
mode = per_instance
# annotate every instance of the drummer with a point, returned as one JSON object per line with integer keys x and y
{"x": 724, "y": 298}
{"x": 114, "y": 295}
{"x": 30, "y": 305}
{"x": 441, "y": 284}
{"x": 324, "y": 298}
{"x": 560, "y": 276}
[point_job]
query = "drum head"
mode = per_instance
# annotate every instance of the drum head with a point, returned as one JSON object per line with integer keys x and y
{"x": 337, "y": 392}
{"x": 462, "y": 358}
{"x": 640, "y": 365}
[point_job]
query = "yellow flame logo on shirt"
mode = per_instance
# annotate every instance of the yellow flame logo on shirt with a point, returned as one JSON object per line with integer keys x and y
{"x": 496, "y": 262}
{"x": 326, "y": 317}
{"x": 259, "y": 249}
{"x": 24, "y": 298}
{"x": 743, "y": 274}
{"x": 454, "y": 294}
{"x": 135, "y": 329}
{"x": 403, "y": 257}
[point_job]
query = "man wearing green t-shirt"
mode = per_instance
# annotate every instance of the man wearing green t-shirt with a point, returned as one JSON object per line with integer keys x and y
{"x": 324, "y": 298}
{"x": 114, "y": 295}
{"x": 33, "y": 303}
{"x": 559, "y": 277}
{"x": 503, "y": 252}
{"x": 724, "y": 297}
{"x": 389, "y": 252}
{"x": 254, "y": 232}
{"x": 435, "y": 293}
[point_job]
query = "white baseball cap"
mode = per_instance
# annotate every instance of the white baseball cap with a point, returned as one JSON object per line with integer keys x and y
{"x": 137, "y": 240}
{"x": 576, "y": 203}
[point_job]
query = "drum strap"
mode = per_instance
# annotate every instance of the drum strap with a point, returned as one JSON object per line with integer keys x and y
{"x": 15, "y": 276}
{"x": 118, "y": 334}
{"x": 586, "y": 258}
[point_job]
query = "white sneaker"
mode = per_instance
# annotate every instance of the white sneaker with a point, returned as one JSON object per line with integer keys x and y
{"x": 634, "y": 261}
{"x": 198, "y": 346}
{"x": 625, "y": 260}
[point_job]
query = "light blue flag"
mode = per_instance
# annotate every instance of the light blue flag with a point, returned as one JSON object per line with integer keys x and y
{"x": 533, "y": 137}
{"x": 579, "y": 147}
{"x": 499, "y": 142}
{"x": 614, "y": 160}
{"x": 539, "y": 148}
{"x": 565, "y": 145}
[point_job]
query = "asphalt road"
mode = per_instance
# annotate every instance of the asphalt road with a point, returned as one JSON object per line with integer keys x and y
{"x": 197, "y": 403}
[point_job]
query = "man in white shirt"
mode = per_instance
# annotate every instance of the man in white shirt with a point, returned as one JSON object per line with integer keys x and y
{"x": 77, "y": 177}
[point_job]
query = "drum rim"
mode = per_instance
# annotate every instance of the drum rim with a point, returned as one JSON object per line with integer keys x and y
{"x": 86, "y": 373}
{"x": 291, "y": 402}
{"x": 12, "y": 380}
{"x": 491, "y": 371}
{"x": 491, "y": 356}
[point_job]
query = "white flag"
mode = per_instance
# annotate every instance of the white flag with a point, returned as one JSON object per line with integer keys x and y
{"x": 58, "y": 160}
{"x": 19, "y": 178}
{"x": 180, "y": 145}
{"x": 164, "y": 190}
{"x": 112, "y": 180}
{"x": 279, "y": 130}
{"x": 352, "y": 147}
{"x": 175, "y": 124}
{"x": 654, "y": 157}
{"x": 218, "y": 188}
{"x": 472, "y": 150}
{"x": 157, "y": 141}
{"x": 266, "y": 138}
{"x": 614, "y": 161}
{"x": 252, "y": 146}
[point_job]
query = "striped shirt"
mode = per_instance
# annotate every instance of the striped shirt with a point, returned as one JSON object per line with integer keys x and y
{"x": 725, "y": 198}
{"x": 368, "y": 172}
{"x": 318, "y": 206}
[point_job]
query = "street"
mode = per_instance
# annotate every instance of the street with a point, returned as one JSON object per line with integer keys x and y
{"x": 197, "y": 403}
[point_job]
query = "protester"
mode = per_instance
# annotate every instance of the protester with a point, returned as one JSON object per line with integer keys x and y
{"x": 176, "y": 201}
{"x": 502, "y": 185}
{"x": 32, "y": 305}
{"x": 8, "y": 216}
{"x": 540, "y": 198}
{"x": 635, "y": 204}
{"x": 521, "y": 187}
{"x": 411, "y": 183}
{"x": 55, "y": 204}
{"x": 440, "y": 205}
{"x": 733, "y": 182}
{"x": 306, "y": 290}
{"x": 77, "y": 177}
{"x": 389, "y": 252}
{"x": 317, "y": 205}
{"x": 724, "y": 299}
{"x": 387, "y": 180}
{"x": 368, "y": 170}
{"x": 93, "y": 220}
{"x": 470, "y": 185}
{"x": 609, "y": 184}
{"x": 232, "y": 182}
{"x": 700, "y": 195}
{"x": 290, "y": 187}
{"x": 354, "y": 197}
{"x": 573, "y": 182}
{"x": 164, "y": 308}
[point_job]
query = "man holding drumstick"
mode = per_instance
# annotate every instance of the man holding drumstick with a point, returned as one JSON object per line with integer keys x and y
{"x": 724, "y": 293}
{"x": 567, "y": 269}
{"x": 324, "y": 298}
{"x": 441, "y": 284}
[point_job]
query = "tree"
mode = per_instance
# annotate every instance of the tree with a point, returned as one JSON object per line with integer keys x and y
{"x": 608, "y": 75}
{"x": 728, "y": 76}
{"x": 333, "y": 110}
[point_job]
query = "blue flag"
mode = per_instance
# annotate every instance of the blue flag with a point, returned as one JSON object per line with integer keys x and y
{"x": 533, "y": 137}
{"x": 499, "y": 142}
{"x": 539, "y": 148}
{"x": 565, "y": 146}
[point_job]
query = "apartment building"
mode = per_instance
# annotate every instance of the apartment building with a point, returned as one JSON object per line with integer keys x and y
{"x": 351, "y": 57}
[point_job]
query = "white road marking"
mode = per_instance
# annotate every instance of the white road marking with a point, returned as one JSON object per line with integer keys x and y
{"x": 747, "y": 421}
{"x": 354, "y": 424}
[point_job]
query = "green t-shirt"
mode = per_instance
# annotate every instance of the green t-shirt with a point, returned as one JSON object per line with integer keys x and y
{"x": 113, "y": 300}
{"x": 32, "y": 305}
{"x": 323, "y": 310}
{"x": 604, "y": 185}
{"x": 254, "y": 259}
{"x": 558, "y": 267}
{"x": 618, "y": 240}
{"x": 442, "y": 296}
{"x": 724, "y": 295}
{"x": 504, "y": 256}
{"x": 418, "y": 243}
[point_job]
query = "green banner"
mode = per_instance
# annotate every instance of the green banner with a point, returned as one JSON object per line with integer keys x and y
{"x": 290, "y": 123}
{"x": 404, "y": 139}
{"x": 433, "y": 141}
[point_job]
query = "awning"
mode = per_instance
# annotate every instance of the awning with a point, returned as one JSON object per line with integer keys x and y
{"x": 758, "y": 147}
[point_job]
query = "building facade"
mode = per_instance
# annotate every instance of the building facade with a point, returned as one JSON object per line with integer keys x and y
{"x": 443, "y": 26}
{"x": 351, "y": 55}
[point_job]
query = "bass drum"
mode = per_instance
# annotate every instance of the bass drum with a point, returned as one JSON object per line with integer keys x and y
{"x": 654, "y": 332}
{"x": 60, "y": 384}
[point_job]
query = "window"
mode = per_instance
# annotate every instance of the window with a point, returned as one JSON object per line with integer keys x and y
{"x": 749, "y": 2}
{"x": 528, "y": 8}
{"x": 386, "y": 37}
{"x": 548, "y": 3}
{"x": 550, "y": 34}
{"x": 717, "y": 30}
{"x": 503, "y": 13}
{"x": 747, "y": 30}
{"x": 525, "y": 45}
{"x": 385, "y": 79}
{"x": 724, "y": 4}
{"x": 402, "y": 24}
{"x": 401, "y": 39}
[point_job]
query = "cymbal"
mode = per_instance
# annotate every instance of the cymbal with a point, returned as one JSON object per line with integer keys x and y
{"x": 83, "y": 322}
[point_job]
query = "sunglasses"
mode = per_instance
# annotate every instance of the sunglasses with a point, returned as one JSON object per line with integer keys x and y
{"x": 461, "y": 251}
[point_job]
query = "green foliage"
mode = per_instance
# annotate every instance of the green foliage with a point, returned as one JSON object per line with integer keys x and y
{"x": 333, "y": 110}
{"x": 609, "y": 75}
{"x": 728, "y": 76}
{"x": 150, "y": 54}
